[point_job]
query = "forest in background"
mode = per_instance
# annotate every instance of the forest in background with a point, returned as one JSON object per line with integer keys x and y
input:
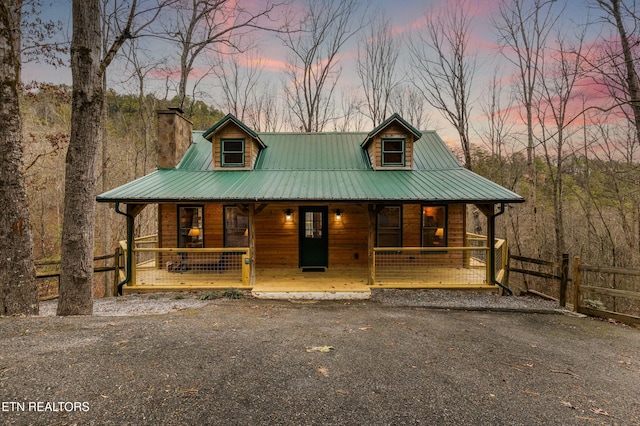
{"x": 601, "y": 204}
{"x": 559, "y": 123}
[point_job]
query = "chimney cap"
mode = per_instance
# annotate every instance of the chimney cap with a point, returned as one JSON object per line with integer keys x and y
{"x": 175, "y": 108}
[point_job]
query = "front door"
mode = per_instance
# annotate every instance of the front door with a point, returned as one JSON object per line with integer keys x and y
{"x": 314, "y": 241}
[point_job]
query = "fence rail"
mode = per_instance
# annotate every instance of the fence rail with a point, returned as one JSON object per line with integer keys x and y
{"x": 554, "y": 271}
{"x": 607, "y": 292}
{"x": 52, "y": 270}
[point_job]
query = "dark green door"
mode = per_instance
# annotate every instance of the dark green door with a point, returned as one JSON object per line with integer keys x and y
{"x": 314, "y": 241}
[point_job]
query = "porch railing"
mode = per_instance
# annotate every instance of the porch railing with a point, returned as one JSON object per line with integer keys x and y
{"x": 187, "y": 266}
{"x": 438, "y": 266}
{"x": 501, "y": 252}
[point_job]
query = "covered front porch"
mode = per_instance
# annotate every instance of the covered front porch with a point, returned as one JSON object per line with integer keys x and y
{"x": 156, "y": 269}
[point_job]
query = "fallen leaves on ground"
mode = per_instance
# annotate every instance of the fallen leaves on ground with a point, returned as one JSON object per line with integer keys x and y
{"x": 323, "y": 371}
{"x": 319, "y": 349}
{"x": 599, "y": 411}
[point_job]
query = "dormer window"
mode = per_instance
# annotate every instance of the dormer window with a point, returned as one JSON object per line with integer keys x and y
{"x": 393, "y": 152}
{"x": 232, "y": 152}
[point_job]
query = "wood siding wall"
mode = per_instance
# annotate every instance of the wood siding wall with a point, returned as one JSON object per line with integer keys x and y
{"x": 277, "y": 238}
{"x": 375, "y": 148}
{"x": 232, "y": 131}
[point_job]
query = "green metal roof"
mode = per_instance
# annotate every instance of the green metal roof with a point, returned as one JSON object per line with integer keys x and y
{"x": 315, "y": 167}
{"x": 458, "y": 185}
{"x": 313, "y": 151}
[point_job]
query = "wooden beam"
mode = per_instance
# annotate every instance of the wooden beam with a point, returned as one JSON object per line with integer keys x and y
{"x": 486, "y": 209}
{"x": 252, "y": 244}
{"x": 372, "y": 210}
{"x": 260, "y": 208}
{"x": 627, "y": 319}
{"x": 135, "y": 209}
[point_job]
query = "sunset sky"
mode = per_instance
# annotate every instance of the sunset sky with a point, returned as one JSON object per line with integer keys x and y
{"x": 406, "y": 16}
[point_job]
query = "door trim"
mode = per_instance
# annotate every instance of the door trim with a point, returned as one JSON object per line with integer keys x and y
{"x": 322, "y": 246}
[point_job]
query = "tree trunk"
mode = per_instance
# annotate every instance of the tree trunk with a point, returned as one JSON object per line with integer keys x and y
{"x": 76, "y": 268}
{"x": 631, "y": 77}
{"x": 18, "y": 288}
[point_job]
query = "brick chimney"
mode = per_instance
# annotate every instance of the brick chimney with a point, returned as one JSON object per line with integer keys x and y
{"x": 174, "y": 137}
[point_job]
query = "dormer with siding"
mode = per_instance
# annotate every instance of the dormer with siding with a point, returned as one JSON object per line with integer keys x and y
{"x": 234, "y": 145}
{"x": 390, "y": 145}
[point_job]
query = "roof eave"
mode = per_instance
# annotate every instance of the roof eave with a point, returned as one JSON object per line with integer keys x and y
{"x": 231, "y": 118}
{"x": 395, "y": 117}
{"x": 299, "y": 200}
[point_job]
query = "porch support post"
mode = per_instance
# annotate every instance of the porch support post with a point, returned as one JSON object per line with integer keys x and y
{"x": 133, "y": 210}
{"x": 252, "y": 244}
{"x": 371, "y": 242}
{"x": 487, "y": 210}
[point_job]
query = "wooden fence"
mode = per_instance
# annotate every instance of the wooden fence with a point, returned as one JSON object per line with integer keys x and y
{"x": 550, "y": 270}
{"x": 50, "y": 269}
{"x": 607, "y": 292}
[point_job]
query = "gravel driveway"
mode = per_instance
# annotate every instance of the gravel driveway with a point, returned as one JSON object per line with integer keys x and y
{"x": 372, "y": 362}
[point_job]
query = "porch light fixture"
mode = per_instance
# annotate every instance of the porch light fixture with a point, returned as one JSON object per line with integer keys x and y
{"x": 338, "y": 214}
{"x": 287, "y": 214}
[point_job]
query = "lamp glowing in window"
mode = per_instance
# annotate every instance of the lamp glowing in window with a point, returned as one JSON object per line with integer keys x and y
{"x": 288, "y": 215}
{"x": 194, "y": 234}
{"x": 338, "y": 214}
{"x": 440, "y": 232}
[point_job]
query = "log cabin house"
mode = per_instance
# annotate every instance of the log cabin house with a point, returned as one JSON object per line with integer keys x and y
{"x": 308, "y": 215}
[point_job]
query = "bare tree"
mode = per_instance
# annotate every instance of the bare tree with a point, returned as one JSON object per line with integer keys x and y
{"x": 313, "y": 69}
{"x": 444, "y": 68}
{"x": 18, "y": 289}
{"x": 617, "y": 65}
{"x": 377, "y": 58}
{"x": 523, "y": 27}
{"x": 238, "y": 81}
{"x": 409, "y": 102}
{"x": 499, "y": 125}
{"x": 42, "y": 39}
{"x": 556, "y": 90}
{"x": 351, "y": 118}
{"x": 266, "y": 110}
{"x": 201, "y": 26}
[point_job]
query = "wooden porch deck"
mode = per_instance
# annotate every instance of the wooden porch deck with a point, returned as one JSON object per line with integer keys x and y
{"x": 334, "y": 283}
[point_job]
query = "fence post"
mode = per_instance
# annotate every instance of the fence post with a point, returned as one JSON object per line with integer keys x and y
{"x": 507, "y": 259}
{"x": 564, "y": 278}
{"x": 576, "y": 284}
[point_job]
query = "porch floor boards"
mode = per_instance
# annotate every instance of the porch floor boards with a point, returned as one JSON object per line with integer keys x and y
{"x": 334, "y": 283}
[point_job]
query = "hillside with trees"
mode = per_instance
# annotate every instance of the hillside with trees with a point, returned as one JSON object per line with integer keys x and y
{"x": 551, "y": 111}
